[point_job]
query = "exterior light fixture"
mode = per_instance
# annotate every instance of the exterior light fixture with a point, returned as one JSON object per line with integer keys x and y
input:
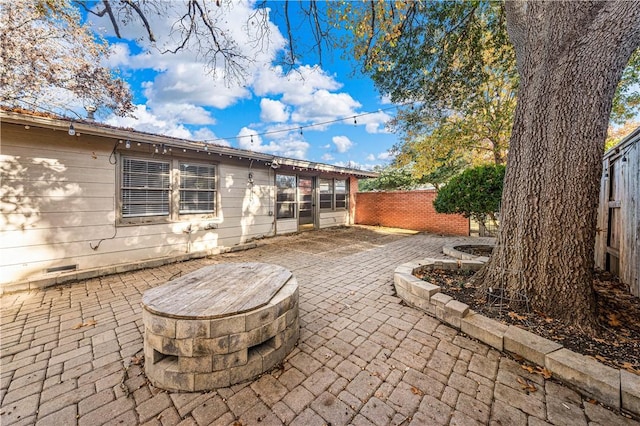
{"x": 72, "y": 130}
{"x": 127, "y": 144}
{"x": 156, "y": 148}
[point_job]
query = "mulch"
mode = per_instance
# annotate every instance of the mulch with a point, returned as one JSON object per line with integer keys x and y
{"x": 616, "y": 343}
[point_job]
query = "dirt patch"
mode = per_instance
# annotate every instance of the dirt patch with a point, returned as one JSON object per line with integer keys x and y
{"x": 616, "y": 344}
{"x": 476, "y": 249}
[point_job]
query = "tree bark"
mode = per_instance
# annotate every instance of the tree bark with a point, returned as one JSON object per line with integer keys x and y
{"x": 570, "y": 57}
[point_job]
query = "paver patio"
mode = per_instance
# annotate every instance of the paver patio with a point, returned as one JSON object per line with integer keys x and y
{"x": 71, "y": 354}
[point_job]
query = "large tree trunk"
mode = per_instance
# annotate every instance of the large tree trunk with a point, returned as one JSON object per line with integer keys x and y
{"x": 570, "y": 57}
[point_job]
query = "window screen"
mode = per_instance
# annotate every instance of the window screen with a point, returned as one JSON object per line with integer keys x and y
{"x": 286, "y": 196}
{"x": 326, "y": 193}
{"x": 341, "y": 193}
{"x": 197, "y": 188}
{"x": 145, "y": 188}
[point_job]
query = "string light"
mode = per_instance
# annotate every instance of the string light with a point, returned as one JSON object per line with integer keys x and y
{"x": 318, "y": 124}
{"x": 72, "y": 130}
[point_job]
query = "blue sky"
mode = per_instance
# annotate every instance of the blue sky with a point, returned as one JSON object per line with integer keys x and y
{"x": 175, "y": 95}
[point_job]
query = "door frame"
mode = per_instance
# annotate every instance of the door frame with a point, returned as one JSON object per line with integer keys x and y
{"x": 312, "y": 223}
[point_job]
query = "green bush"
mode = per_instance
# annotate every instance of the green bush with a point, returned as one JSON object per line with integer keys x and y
{"x": 474, "y": 193}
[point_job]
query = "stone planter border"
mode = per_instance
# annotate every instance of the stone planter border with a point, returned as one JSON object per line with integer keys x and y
{"x": 613, "y": 387}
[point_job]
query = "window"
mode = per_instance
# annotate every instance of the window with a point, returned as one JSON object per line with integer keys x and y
{"x": 146, "y": 188}
{"x": 197, "y": 188}
{"x": 333, "y": 194}
{"x": 341, "y": 193}
{"x": 286, "y": 196}
{"x": 326, "y": 194}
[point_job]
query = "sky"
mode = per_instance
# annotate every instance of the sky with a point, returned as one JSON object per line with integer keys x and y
{"x": 176, "y": 95}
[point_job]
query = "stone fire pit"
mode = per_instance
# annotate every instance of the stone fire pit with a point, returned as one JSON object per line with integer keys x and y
{"x": 220, "y": 325}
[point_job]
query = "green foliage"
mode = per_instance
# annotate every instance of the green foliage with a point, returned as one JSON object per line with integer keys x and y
{"x": 452, "y": 61}
{"x": 475, "y": 193}
{"x": 390, "y": 178}
{"x": 405, "y": 178}
{"x": 454, "y": 64}
{"x": 626, "y": 102}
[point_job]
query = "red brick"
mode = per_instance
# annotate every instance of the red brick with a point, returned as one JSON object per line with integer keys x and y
{"x": 407, "y": 210}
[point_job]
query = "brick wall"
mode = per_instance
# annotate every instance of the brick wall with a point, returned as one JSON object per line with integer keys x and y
{"x": 407, "y": 210}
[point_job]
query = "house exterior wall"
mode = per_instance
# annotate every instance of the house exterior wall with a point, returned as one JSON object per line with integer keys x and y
{"x": 407, "y": 210}
{"x": 60, "y": 204}
{"x": 618, "y": 227}
{"x": 60, "y": 199}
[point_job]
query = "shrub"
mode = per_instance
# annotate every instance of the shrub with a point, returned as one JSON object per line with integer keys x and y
{"x": 474, "y": 193}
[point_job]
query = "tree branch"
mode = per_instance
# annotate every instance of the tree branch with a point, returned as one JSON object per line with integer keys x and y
{"x": 142, "y": 16}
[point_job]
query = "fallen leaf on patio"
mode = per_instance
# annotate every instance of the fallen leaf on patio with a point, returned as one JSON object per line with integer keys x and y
{"x": 137, "y": 360}
{"x": 601, "y": 358}
{"x": 630, "y": 367}
{"x": 84, "y": 324}
{"x": 517, "y": 317}
{"x": 416, "y": 391}
{"x": 592, "y": 401}
{"x": 614, "y": 321}
{"x": 526, "y": 385}
{"x": 528, "y": 368}
{"x": 544, "y": 372}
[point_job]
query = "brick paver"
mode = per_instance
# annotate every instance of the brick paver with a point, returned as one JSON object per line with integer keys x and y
{"x": 72, "y": 354}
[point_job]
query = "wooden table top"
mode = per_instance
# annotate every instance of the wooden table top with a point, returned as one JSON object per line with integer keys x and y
{"x": 217, "y": 291}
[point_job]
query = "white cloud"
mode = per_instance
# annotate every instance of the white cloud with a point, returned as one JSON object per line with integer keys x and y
{"x": 327, "y": 157}
{"x": 205, "y": 134}
{"x": 185, "y": 113}
{"x": 273, "y": 111}
{"x": 375, "y": 122}
{"x": 342, "y": 143}
{"x": 385, "y": 156}
{"x": 325, "y": 106}
{"x": 147, "y": 120}
{"x": 309, "y": 91}
{"x": 296, "y": 86}
{"x": 354, "y": 165}
{"x": 371, "y": 157}
{"x": 289, "y": 145}
{"x": 385, "y": 100}
{"x": 181, "y": 78}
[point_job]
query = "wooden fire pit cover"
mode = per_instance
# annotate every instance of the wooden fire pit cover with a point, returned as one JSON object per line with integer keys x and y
{"x": 217, "y": 291}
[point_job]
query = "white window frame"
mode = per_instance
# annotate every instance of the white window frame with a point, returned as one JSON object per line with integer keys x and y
{"x": 293, "y": 204}
{"x": 204, "y": 184}
{"x": 326, "y": 196}
{"x": 141, "y": 185}
{"x": 335, "y": 198}
{"x": 173, "y": 185}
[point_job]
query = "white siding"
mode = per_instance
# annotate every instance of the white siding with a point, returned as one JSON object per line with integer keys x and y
{"x": 59, "y": 199}
{"x": 335, "y": 218}
{"x": 287, "y": 226}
